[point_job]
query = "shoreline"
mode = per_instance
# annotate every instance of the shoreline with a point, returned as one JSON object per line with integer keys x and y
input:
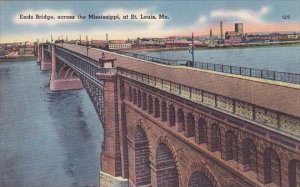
{"x": 296, "y": 44}
{"x": 17, "y": 58}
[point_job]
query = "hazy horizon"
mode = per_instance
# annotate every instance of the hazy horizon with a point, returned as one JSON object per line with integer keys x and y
{"x": 183, "y": 18}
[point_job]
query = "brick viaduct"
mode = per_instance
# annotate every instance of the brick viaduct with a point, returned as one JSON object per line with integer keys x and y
{"x": 167, "y": 127}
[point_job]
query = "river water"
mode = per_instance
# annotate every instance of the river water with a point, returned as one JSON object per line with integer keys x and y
{"x": 277, "y": 58}
{"x": 46, "y": 138}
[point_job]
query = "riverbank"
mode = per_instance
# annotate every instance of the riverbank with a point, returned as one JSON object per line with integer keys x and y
{"x": 17, "y": 58}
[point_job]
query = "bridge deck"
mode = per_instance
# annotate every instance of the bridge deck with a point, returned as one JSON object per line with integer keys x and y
{"x": 278, "y": 96}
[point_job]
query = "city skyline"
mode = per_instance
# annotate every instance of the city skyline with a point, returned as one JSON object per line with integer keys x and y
{"x": 267, "y": 16}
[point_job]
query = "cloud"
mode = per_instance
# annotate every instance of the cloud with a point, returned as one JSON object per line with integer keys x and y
{"x": 245, "y": 15}
{"x": 153, "y": 24}
{"x": 44, "y": 17}
{"x": 202, "y": 20}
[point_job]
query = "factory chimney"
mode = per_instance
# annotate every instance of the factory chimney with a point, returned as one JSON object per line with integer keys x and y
{"x": 221, "y": 29}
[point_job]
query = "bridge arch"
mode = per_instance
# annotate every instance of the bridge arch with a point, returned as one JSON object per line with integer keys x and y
{"x": 231, "y": 149}
{"x": 249, "y": 155}
{"x": 202, "y": 131}
{"x": 294, "y": 173}
{"x": 168, "y": 172}
{"x": 74, "y": 72}
{"x": 200, "y": 175}
{"x": 61, "y": 70}
{"x": 67, "y": 74}
{"x": 142, "y": 157}
{"x": 272, "y": 171}
{"x": 70, "y": 73}
{"x": 139, "y": 122}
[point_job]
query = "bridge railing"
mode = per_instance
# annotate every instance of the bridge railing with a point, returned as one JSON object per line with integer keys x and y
{"x": 85, "y": 63}
{"x": 260, "y": 115}
{"x": 110, "y": 71}
{"x": 81, "y": 63}
{"x": 153, "y": 59}
{"x": 236, "y": 70}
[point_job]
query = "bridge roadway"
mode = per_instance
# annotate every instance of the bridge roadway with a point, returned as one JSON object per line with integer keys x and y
{"x": 270, "y": 154}
{"x": 278, "y": 96}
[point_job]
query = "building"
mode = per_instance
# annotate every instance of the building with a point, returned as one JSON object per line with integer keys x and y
{"x": 26, "y": 49}
{"x": 119, "y": 44}
{"x": 229, "y": 34}
{"x": 238, "y": 28}
{"x": 221, "y": 30}
{"x": 236, "y": 39}
{"x": 98, "y": 43}
{"x": 292, "y": 36}
{"x": 177, "y": 44}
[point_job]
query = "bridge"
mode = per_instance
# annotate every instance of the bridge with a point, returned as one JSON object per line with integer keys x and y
{"x": 171, "y": 125}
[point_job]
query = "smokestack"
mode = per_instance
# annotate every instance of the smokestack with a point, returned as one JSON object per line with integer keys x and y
{"x": 210, "y": 33}
{"x": 221, "y": 29}
{"x": 107, "y": 44}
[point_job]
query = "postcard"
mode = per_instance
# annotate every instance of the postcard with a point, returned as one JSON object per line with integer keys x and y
{"x": 150, "y": 93}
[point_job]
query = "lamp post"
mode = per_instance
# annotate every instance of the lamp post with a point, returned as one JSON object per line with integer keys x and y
{"x": 192, "y": 52}
{"x": 87, "y": 46}
{"x": 87, "y": 50}
{"x": 87, "y": 40}
{"x": 193, "y": 58}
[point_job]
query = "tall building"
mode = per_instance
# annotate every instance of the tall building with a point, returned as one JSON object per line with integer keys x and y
{"x": 238, "y": 28}
{"x": 221, "y": 29}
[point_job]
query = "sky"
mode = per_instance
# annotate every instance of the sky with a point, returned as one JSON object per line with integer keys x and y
{"x": 184, "y": 17}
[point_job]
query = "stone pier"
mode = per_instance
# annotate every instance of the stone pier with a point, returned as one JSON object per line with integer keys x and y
{"x": 61, "y": 83}
{"x": 45, "y": 61}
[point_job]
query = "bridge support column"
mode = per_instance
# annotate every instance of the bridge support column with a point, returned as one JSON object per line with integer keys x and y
{"x": 61, "y": 83}
{"x": 45, "y": 64}
{"x": 53, "y": 64}
{"x": 223, "y": 148}
{"x": 241, "y": 165}
{"x": 122, "y": 129}
{"x": 110, "y": 154}
{"x": 260, "y": 167}
{"x": 38, "y": 53}
{"x": 208, "y": 130}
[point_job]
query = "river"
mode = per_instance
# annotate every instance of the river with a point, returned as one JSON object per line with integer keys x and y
{"x": 46, "y": 138}
{"x": 276, "y": 58}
